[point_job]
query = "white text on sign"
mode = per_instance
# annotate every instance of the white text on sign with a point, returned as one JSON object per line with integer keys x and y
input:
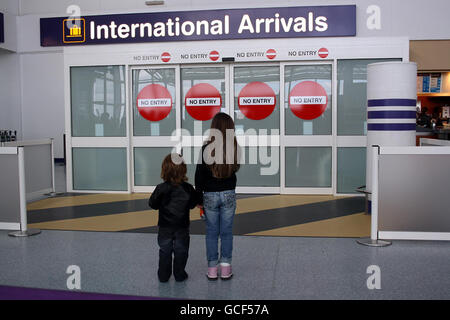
{"x": 192, "y": 102}
{"x": 245, "y": 101}
{"x": 154, "y": 103}
{"x": 308, "y": 100}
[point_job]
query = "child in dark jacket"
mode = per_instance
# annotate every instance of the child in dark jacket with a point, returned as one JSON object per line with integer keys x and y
{"x": 173, "y": 198}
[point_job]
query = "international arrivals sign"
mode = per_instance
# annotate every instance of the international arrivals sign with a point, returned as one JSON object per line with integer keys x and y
{"x": 257, "y": 23}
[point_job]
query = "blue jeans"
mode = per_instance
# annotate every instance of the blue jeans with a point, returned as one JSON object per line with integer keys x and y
{"x": 219, "y": 212}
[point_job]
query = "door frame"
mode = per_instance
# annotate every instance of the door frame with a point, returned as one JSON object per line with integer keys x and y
{"x": 271, "y": 140}
{"x": 148, "y": 141}
{"x": 312, "y": 140}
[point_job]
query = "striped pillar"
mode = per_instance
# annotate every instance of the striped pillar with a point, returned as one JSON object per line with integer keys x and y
{"x": 391, "y": 108}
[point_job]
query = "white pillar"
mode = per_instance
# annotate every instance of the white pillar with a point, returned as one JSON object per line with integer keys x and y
{"x": 391, "y": 108}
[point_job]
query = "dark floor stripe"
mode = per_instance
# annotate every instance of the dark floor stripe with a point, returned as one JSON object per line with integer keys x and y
{"x": 18, "y": 293}
{"x": 247, "y": 195}
{"x": 69, "y": 194}
{"x": 83, "y": 211}
{"x": 100, "y": 209}
{"x": 251, "y": 222}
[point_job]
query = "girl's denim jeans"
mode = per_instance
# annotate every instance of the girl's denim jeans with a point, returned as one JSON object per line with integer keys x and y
{"x": 219, "y": 209}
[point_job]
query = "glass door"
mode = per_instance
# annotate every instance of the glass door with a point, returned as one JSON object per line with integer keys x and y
{"x": 307, "y": 137}
{"x": 256, "y": 112}
{"x": 154, "y": 101}
{"x": 97, "y": 141}
{"x": 204, "y": 92}
{"x": 295, "y": 139}
{"x": 165, "y": 100}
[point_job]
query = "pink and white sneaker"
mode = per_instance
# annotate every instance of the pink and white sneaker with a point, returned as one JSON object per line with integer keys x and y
{"x": 212, "y": 273}
{"x": 225, "y": 271}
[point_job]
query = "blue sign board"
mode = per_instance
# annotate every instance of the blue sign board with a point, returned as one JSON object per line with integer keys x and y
{"x": 2, "y": 28}
{"x": 435, "y": 82}
{"x": 286, "y": 22}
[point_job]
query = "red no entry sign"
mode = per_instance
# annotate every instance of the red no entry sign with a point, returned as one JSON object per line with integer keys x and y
{"x": 271, "y": 54}
{"x": 165, "y": 57}
{"x": 308, "y": 100}
{"x": 154, "y": 102}
{"x": 214, "y": 55}
{"x": 323, "y": 53}
{"x": 257, "y": 100}
{"x": 203, "y": 101}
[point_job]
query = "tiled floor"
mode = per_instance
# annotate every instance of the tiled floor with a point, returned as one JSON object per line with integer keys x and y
{"x": 264, "y": 267}
{"x": 256, "y": 214}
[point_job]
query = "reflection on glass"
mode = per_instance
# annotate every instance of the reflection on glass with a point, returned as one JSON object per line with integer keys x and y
{"x": 98, "y": 101}
{"x": 190, "y": 77}
{"x": 99, "y": 169}
{"x": 259, "y": 167}
{"x": 351, "y": 173}
{"x": 352, "y": 96}
{"x": 271, "y": 77}
{"x": 147, "y": 165}
{"x": 294, "y": 75}
{"x": 142, "y": 78}
{"x": 308, "y": 167}
{"x": 191, "y": 156}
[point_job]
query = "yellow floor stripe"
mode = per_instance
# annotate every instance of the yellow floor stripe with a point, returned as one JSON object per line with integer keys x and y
{"x": 278, "y": 201}
{"x": 84, "y": 200}
{"x": 149, "y": 218}
{"x": 245, "y": 204}
{"x": 112, "y": 222}
{"x": 355, "y": 225}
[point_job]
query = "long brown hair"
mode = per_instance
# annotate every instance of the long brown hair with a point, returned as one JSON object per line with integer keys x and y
{"x": 229, "y": 163}
{"x": 173, "y": 169}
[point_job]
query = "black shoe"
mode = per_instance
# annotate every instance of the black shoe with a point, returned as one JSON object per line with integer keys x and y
{"x": 184, "y": 277}
{"x": 163, "y": 279}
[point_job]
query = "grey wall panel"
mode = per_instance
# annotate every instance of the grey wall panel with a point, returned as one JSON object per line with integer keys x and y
{"x": 413, "y": 193}
{"x": 9, "y": 189}
{"x": 38, "y": 168}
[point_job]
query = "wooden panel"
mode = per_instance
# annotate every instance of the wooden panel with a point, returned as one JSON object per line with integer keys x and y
{"x": 430, "y": 55}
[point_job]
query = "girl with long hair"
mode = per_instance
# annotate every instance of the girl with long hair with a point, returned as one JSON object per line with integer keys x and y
{"x": 215, "y": 181}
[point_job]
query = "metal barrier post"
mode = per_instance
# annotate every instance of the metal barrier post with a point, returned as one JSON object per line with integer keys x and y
{"x": 24, "y": 231}
{"x": 53, "y": 193}
{"x": 52, "y": 159}
{"x": 366, "y": 193}
{"x": 373, "y": 241}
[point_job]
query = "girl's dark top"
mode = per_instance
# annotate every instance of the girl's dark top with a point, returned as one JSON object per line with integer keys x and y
{"x": 173, "y": 203}
{"x": 205, "y": 182}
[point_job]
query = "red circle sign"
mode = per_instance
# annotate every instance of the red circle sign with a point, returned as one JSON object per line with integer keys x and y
{"x": 271, "y": 54}
{"x": 165, "y": 57}
{"x": 257, "y": 100}
{"x": 323, "y": 52}
{"x": 308, "y": 100}
{"x": 203, "y": 101}
{"x": 214, "y": 55}
{"x": 154, "y": 102}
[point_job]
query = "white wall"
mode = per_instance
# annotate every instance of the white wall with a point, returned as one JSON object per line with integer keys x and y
{"x": 43, "y": 97}
{"x": 10, "y": 7}
{"x": 10, "y": 107}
